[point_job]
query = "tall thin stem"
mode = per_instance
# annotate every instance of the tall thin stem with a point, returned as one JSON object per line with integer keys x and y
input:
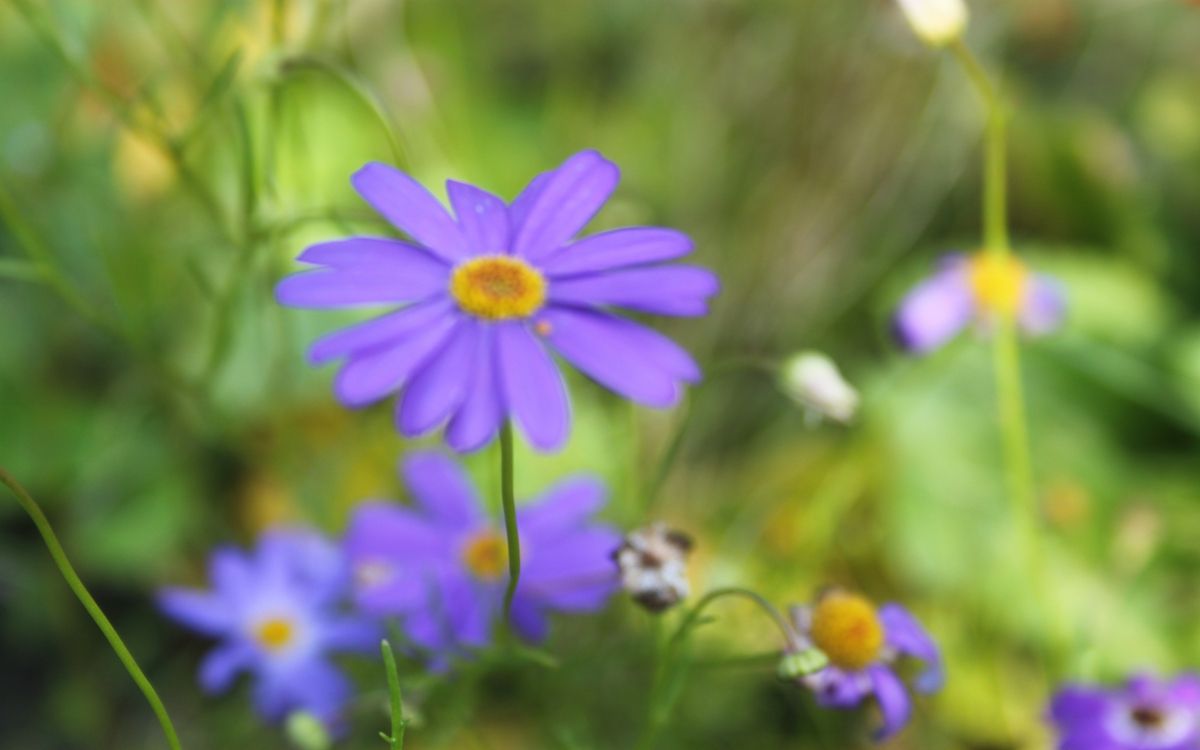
{"x": 85, "y": 598}
{"x": 508, "y": 500}
{"x": 1006, "y": 348}
{"x": 395, "y": 740}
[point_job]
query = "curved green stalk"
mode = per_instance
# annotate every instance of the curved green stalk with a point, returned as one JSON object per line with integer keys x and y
{"x": 508, "y": 500}
{"x": 668, "y": 678}
{"x": 85, "y": 598}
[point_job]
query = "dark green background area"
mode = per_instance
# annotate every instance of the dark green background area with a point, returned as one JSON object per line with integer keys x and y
{"x": 162, "y": 163}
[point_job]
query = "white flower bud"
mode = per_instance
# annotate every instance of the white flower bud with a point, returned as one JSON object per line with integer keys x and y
{"x": 813, "y": 381}
{"x": 937, "y": 22}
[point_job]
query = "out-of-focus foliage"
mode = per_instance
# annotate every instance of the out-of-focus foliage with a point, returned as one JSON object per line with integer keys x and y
{"x": 161, "y": 163}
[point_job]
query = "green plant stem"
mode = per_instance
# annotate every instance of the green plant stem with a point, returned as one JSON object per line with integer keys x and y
{"x": 509, "y": 502}
{"x": 1006, "y": 347}
{"x": 396, "y": 739}
{"x": 669, "y": 676}
{"x": 85, "y": 598}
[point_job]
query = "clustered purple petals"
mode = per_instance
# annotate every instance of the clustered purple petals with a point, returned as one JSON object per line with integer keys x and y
{"x": 941, "y": 306}
{"x": 1145, "y": 714}
{"x": 471, "y": 373}
{"x": 276, "y": 612}
{"x": 439, "y": 566}
{"x": 840, "y": 688}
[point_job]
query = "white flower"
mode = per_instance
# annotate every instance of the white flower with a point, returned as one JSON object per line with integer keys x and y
{"x": 812, "y": 380}
{"x": 937, "y": 22}
{"x": 653, "y": 563}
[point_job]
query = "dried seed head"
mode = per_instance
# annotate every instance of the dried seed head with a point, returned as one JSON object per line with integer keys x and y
{"x": 653, "y": 563}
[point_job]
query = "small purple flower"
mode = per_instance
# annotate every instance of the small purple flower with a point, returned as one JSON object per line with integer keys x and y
{"x": 862, "y": 643}
{"x": 487, "y": 294}
{"x": 441, "y": 567}
{"x": 1146, "y": 714}
{"x": 979, "y": 288}
{"x": 275, "y": 611}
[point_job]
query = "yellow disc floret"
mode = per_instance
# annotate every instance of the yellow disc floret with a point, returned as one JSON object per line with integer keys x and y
{"x": 846, "y": 627}
{"x": 485, "y": 555}
{"x": 275, "y": 634}
{"x": 998, "y": 282}
{"x": 498, "y": 287}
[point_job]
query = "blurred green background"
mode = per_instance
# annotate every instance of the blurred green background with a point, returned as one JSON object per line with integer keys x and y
{"x": 161, "y": 163}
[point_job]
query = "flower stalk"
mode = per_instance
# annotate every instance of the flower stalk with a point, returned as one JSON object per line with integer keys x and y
{"x": 395, "y": 740}
{"x": 508, "y": 500}
{"x": 34, "y": 511}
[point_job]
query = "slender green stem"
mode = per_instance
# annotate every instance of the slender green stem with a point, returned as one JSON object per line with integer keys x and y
{"x": 508, "y": 500}
{"x": 395, "y": 740}
{"x": 1006, "y": 348}
{"x": 85, "y": 598}
{"x": 669, "y": 676}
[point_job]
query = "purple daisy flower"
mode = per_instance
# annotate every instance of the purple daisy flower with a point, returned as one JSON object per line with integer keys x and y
{"x": 275, "y": 611}
{"x": 488, "y": 293}
{"x": 978, "y": 288}
{"x": 1146, "y": 714}
{"x": 441, "y": 566}
{"x": 862, "y": 643}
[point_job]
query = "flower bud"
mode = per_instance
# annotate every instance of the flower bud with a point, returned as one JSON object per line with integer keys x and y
{"x": 307, "y": 732}
{"x": 812, "y": 380}
{"x": 937, "y": 22}
{"x": 796, "y": 664}
{"x": 653, "y": 563}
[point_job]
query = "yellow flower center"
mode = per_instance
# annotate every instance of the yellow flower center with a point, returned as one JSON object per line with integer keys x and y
{"x": 486, "y": 555}
{"x": 847, "y": 629}
{"x": 498, "y": 287}
{"x": 998, "y": 282}
{"x": 275, "y": 634}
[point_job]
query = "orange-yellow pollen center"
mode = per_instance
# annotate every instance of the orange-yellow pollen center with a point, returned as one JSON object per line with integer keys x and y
{"x": 486, "y": 555}
{"x": 275, "y": 634}
{"x": 498, "y": 287}
{"x": 998, "y": 282}
{"x": 846, "y": 627}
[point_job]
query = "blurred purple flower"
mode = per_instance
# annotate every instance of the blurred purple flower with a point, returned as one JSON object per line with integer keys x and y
{"x": 488, "y": 293}
{"x": 1146, "y": 714}
{"x": 275, "y": 611}
{"x": 978, "y": 288}
{"x": 442, "y": 566}
{"x": 861, "y": 644}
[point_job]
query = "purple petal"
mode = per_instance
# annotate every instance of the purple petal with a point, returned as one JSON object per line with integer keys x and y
{"x": 351, "y": 634}
{"x": 468, "y": 609}
{"x": 836, "y": 688}
{"x": 1075, "y": 703}
{"x": 222, "y": 664}
{"x": 201, "y": 611}
{"x": 1044, "y": 305}
{"x": 935, "y": 311}
{"x": 529, "y": 620}
{"x": 363, "y": 270}
{"x": 907, "y": 636}
{"x": 376, "y": 373}
{"x": 479, "y": 416}
{"x": 660, "y": 290}
{"x": 374, "y": 253}
{"x": 232, "y": 575}
{"x": 618, "y": 248}
{"x": 482, "y": 216}
{"x": 1185, "y": 691}
{"x": 411, "y": 208}
{"x": 619, "y": 354}
{"x": 533, "y": 388}
{"x": 578, "y": 562}
{"x": 313, "y": 685}
{"x": 893, "y": 700}
{"x": 567, "y": 201}
{"x": 375, "y": 333}
{"x": 441, "y": 384}
{"x": 303, "y": 560}
{"x": 386, "y": 531}
{"x": 518, "y": 212}
{"x": 567, "y": 505}
{"x": 442, "y": 489}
